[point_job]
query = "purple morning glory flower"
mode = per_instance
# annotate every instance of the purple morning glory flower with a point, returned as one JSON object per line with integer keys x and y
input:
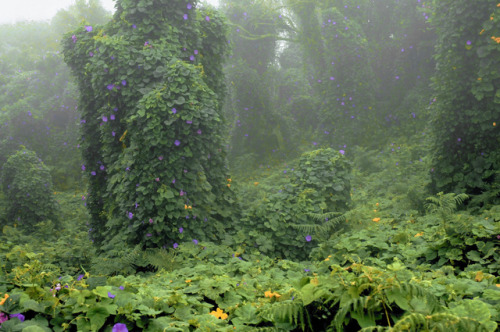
{"x": 112, "y": 116}
{"x": 181, "y": 230}
{"x": 199, "y": 131}
{"x": 469, "y": 42}
{"x": 189, "y": 121}
{"x": 124, "y": 82}
{"x": 119, "y": 327}
{"x": 174, "y": 110}
{"x": 20, "y": 316}
{"x": 91, "y": 54}
{"x": 111, "y": 296}
{"x": 176, "y": 245}
{"x": 130, "y": 215}
{"x": 80, "y": 277}
{"x": 104, "y": 118}
{"x": 308, "y": 238}
{"x": 342, "y": 151}
{"x": 177, "y": 142}
{"x": 110, "y": 86}
{"x": 185, "y": 16}
{"x": 83, "y": 167}
{"x": 121, "y": 287}
{"x": 113, "y": 133}
{"x": 189, "y": 6}
{"x": 191, "y": 58}
{"x": 207, "y": 18}
{"x": 195, "y": 52}
{"x": 74, "y": 38}
{"x": 196, "y": 242}
{"x": 88, "y": 28}
{"x": 102, "y": 167}
{"x": 93, "y": 173}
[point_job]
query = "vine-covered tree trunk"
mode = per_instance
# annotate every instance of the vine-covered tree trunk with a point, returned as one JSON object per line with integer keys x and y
{"x": 150, "y": 85}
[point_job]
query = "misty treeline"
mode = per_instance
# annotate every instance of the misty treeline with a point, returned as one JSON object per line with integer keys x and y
{"x": 319, "y": 165}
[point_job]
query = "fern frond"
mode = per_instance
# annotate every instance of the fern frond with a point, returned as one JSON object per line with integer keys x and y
{"x": 323, "y": 228}
{"x": 160, "y": 258}
{"x": 290, "y": 312}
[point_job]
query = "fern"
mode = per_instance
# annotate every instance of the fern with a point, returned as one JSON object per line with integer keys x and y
{"x": 160, "y": 258}
{"x": 290, "y": 312}
{"x": 324, "y": 229}
{"x": 445, "y": 204}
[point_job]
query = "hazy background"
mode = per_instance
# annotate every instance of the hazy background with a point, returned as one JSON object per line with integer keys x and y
{"x": 37, "y": 10}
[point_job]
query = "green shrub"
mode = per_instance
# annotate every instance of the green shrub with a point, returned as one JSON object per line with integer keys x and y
{"x": 27, "y": 185}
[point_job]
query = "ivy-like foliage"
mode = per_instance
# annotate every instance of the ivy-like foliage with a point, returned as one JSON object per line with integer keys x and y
{"x": 27, "y": 185}
{"x": 467, "y": 104}
{"x": 151, "y": 84}
{"x": 328, "y": 173}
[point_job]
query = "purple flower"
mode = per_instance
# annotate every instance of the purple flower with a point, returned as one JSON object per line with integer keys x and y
{"x": 176, "y": 245}
{"x": 130, "y": 215}
{"x": 469, "y": 42}
{"x": 20, "y": 316}
{"x": 174, "y": 110}
{"x": 83, "y": 167}
{"x": 111, "y": 296}
{"x": 93, "y": 173}
{"x": 74, "y": 38}
{"x": 207, "y": 18}
{"x": 342, "y": 152}
{"x": 88, "y": 28}
{"x": 80, "y": 277}
{"x": 196, "y": 242}
{"x": 150, "y": 220}
{"x": 91, "y": 54}
{"x": 149, "y": 234}
{"x": 195, "y": 52}
{"x": 110, "y": 86}
{"x": 119, "y": 327}
{"x": 189, "y": 6}
{"x": 191, "y": 58}
{"x": 189, "y": 121}
{"x": 101, "y": 167}
{"x": 306, "y": 270}
{"x": 104, "y": 118}
{"x": 308, "y": 238}
{"x": 121, "y": 287}
{"x": 112, "y": 116}
{"x": 199, "y": 131}
{"x": 181, "y": 230}
{"x": 177, "y": 142}
{"x": 124, "y": 82}
{"x": 113, "y": 133}
{"x": 185, "y": 16}
{"x": 160, "y": 158}
{"x": 3, "y": 317}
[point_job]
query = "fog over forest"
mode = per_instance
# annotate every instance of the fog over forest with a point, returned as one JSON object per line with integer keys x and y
{"x": 249, "y": 165}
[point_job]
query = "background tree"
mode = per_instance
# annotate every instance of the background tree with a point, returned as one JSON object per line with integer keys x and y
{"x": 467, "y": 107}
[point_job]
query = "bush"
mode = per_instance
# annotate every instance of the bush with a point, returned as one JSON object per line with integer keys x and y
{"x": 27, "y": 185}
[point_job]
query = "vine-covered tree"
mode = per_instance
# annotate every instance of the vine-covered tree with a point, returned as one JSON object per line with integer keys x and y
{"x": 467, "y": 85}
{"x": 151, "y": 86}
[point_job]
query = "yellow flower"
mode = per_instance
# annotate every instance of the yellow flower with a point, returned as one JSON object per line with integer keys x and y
{"x": 228, "y": 185}
{"x": 419, "y": 234}
{"x": 219, "y": 314}
{"x": 188, "y": 281}
{"x": 255, "y": 183}
{"x": 271, "y": 294}
{"x": 5, "y": 297}
{"x": 376, "y": 219}
{"x": 229, "y": 180}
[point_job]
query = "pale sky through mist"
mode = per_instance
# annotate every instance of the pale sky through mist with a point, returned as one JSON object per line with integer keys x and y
{"x": 12, "y": 11}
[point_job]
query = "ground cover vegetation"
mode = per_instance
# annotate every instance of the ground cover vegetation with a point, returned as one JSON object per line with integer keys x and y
{"x": 264, "y": 165}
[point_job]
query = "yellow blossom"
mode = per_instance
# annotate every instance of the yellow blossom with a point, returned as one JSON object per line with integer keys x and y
{"x": 419, "y": 234}
{"x": 219, "y": 314}
{"x": 5, "y": 297}
{"x": 376, "y": 219}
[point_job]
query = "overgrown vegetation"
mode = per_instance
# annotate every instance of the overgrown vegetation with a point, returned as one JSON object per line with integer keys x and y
{"x": 346, "y": 206}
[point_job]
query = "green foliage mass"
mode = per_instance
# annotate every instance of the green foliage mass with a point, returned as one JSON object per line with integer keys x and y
{"x": 27, "y": 186}
{"x": 153, "y": 135}
{"x": 466, "y": 154}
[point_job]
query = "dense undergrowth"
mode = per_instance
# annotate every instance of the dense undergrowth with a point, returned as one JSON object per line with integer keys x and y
{"x": 397, "y": 260}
